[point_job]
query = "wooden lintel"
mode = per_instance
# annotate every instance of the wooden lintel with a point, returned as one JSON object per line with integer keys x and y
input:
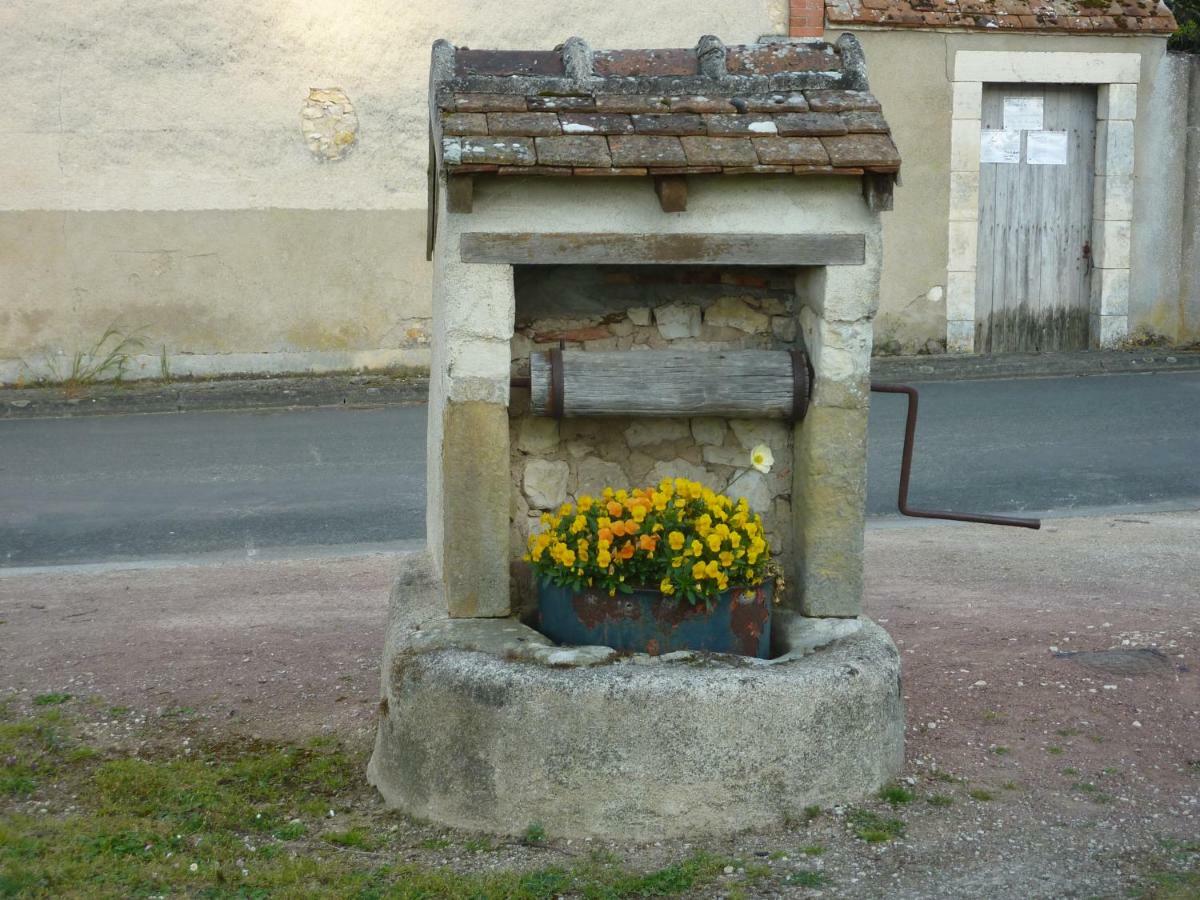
{"x": 460, "y": 193}
{"x": 585, "y": 248}
{"x": 672, "y": 192}
{"x": 877, "y": 190}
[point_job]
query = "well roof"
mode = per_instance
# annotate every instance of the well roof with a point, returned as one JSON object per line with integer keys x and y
{"x": 777, "y": 107}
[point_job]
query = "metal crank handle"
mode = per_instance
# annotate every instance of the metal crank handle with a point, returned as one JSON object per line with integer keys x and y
{"x": 910, "y": 433}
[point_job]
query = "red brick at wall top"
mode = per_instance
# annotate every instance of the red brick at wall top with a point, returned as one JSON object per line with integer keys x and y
{"x": 806, "y": 18}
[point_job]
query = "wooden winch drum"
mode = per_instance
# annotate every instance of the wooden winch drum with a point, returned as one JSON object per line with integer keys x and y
{"x": 738, "y": 384}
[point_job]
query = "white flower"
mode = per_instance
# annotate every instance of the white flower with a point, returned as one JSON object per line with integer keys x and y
{"x": 762, "y": 458}
{"x": 193, "y": 868}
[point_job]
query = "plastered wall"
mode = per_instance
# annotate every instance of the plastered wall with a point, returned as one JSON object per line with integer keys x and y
{"x": 164, "y": 170}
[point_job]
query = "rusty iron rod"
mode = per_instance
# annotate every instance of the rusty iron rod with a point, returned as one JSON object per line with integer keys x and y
{"x": 910, "y": 434}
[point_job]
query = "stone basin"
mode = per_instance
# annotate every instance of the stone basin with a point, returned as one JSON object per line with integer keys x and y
{"x": 487, "y": 725}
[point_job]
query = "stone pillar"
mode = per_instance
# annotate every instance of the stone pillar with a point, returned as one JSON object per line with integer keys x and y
{"x": 830, "y": 446}
{"x": 468, "y": 468}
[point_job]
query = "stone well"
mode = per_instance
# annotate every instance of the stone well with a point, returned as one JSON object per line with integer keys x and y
{"x": 770, "y": 164}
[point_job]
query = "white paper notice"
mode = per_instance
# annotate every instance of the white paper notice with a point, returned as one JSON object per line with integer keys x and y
{"x": 1022, "y": 113}
{"x": 1000, "y": 146}
{"x": 1046, "y": 148}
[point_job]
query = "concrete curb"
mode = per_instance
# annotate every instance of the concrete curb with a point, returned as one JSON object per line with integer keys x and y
{"x": 230, "y": 394}
{"x": 394, "y": 389}
{"x": 1031, "y": 365}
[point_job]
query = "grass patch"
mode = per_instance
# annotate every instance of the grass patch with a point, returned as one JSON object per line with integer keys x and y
{"x": 939, "y": 800}
{"x": 1000, "y": 751}
{"x": 435, "y": 844}
{"x": 981, "y": 795}
{"x": 244, "y": 819}
{"x": 895, "y": 794}
{"x": 54, "y": 698}
{"x": 535, "y": 833}
{"x": 873, "y": 828}
{"x": 1054, "y": 750}
{"x": 812, "y": 850}
{"x": 1068, "y": 732}
{"x": 808, "y": 879}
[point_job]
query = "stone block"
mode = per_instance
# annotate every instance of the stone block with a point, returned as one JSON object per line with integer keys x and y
{"x": 1114, "y": 196}
{"x": 537, "y": 434}
{"x": 1111, "y": 242}
{"x": 708, "y": 430}
{"x": 964, "y": 145}
{"x": 719, "y": 151}
{"x": 960, "y": 336}
{"x": 968, "y": 100}
{"x": 677, "y": 320}
{"x": 648, "y": 432}
{"x": 595, "y": 123}
{"x": 681, "y": 468}
{"x": 545, "y": 483}
{"x": 810, "y": 124}
{"x": 784, "y": 328}
{"x": 725, "y": 456}
{"x": 964, "y": 196}
{"x": 733, "y": 312}
{"x": 791, "y": 151}
{"x": 752, "y": 485}
{"x": 647, "y": 150}
{"x": 720, "y": 124}
{"x": 671, "y": 123}
{"x": 1111, "y": 330}
{"x": 1117, "y": 101}
{"x": 841, "y": 359}
{"x": 639, "y": 315}
{"x": 464, "y": 124}
{"x": 828, "y": 507}
{"x": 964, "y": 238}
{"x": 960, "y": 295}
{"x": 507, "y": 151}
{"x": 1114, "y": 148}
{"x": 1112, "y": 289}
{"x": 751, "y": 432}
{"x": 865, "y": 122}
{"x": 593, "y": 475}
{"x": 861, "y": 150}
{"x": 527, "y": 124}
{"x": 475, "y": 487}
{"x": 573, "y": 150}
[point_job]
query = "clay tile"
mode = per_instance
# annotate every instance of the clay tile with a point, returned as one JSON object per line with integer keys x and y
{"x": 508, "y": 62}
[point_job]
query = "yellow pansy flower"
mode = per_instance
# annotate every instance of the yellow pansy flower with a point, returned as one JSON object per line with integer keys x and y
{"x": 675, "y": 540}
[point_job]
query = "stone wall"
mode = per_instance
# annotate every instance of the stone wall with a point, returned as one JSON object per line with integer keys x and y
{"x": 639, "y": 309}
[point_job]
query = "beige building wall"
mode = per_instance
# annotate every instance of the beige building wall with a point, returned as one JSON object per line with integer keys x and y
{"x": 156, "y": 174}
{"x": 912, "y": 73}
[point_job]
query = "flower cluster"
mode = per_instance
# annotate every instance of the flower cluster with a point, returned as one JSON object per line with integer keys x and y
{"x": 680, "y": 538}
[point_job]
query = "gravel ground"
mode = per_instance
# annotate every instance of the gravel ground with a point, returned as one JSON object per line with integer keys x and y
{"x": 1035, "y": 772}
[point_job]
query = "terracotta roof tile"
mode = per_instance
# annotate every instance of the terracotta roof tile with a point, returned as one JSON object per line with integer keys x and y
{"x": 1074, "y": 16}
{"x": 773, "y": 108}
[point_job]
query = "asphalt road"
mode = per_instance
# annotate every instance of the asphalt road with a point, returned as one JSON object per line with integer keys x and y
{"x": 309, "y": 482}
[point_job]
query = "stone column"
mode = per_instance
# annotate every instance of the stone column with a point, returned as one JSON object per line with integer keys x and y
{"x": 468, "y": 467}
{"x": 830, "y": 446}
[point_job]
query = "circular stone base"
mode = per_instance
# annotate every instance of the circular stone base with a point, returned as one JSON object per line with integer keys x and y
{"x": 486, "y": 725}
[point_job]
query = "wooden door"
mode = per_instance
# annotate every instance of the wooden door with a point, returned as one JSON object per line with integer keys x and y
{"x": 1034, "y": 262}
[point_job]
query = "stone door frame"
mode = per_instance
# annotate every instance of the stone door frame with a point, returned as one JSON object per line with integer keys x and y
{"x": 1117, "y": 75}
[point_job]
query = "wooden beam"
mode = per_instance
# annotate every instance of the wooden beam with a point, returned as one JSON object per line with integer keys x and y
{"x": 877, "y": 189}
{"x": 672, "y": 192}
{"x": 735, "y": 383}
{"x": 525, "y": 248}
{"x": 460, "y": 193}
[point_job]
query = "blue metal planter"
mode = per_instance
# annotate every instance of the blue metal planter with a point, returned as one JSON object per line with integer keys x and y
{"x": 646, "y": 621}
